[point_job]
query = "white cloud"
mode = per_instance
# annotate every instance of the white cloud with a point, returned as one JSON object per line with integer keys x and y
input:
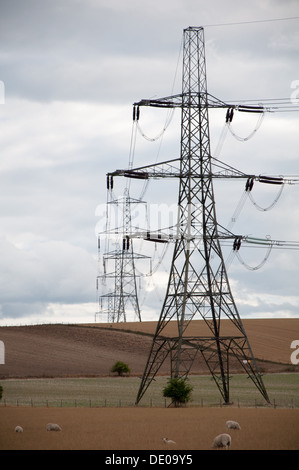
{"x": 71, "y": 72}
{"x": 45, "y": 270}
{"x": 43, "y": 313}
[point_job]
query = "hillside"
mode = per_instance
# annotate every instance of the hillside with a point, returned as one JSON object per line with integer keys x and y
{"x": 270, "y": 339}
{"x": 91, "y": 349}
{"x": 65, "y": 350}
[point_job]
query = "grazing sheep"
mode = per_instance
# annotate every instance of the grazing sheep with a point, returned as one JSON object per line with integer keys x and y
{"x": 232, "y": 425}
{"x": 223, "y": 440}
{"x": 18, "y": 429}
{"x": 53, "y": 427}
{"x": 168, "y": 441}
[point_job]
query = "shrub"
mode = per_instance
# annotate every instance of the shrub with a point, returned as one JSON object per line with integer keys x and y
{"x": 120, "y": 367}
{"x": 1, "y": 391}
{"x": 178, "y": 390}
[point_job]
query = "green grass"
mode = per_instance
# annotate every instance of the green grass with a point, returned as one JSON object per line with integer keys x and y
{"x": 283, "y": 390}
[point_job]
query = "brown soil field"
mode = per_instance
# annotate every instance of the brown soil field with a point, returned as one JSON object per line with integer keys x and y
{"x": 91, "y": 349}
{"x": 144, "y": 428}
{"x": 64, "y": 350}
{"x": 270, "y": 339}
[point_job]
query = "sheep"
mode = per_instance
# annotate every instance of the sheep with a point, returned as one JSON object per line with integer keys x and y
{"x": 168, "y": 441}
{"x": 223, "y": 440}
{"x": 232, "y": 425}
{"x": 18, "y": 429}
{"x": 53, "y": 427}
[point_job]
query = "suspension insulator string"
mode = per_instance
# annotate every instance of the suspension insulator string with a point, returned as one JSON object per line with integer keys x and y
{"x": 221, "y": 141}
{"x": 238, "y": 210}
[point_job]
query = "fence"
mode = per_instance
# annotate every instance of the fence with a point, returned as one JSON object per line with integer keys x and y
{"x": 106, "y": 403}
{"x": 283, "y": 390}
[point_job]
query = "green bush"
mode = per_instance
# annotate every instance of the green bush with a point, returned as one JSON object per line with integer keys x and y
{"x": 178, "y": 390}
{"x": 120, "y": 367}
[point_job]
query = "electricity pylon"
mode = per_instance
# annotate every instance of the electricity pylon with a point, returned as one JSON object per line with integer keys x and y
{"x": 198, "y": 286}
{"x": 122, "y": 294}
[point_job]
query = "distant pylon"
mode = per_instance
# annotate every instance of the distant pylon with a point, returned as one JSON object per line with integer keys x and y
{"x": 117, "y": 286}
{"x": 198, "y": 286}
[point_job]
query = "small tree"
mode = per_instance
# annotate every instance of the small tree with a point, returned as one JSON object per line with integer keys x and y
{"x": 178, "y": 390}
{"x": 120, "y": 367}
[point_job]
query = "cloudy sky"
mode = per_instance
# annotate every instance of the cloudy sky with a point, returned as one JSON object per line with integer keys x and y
{"x": 70, "y": 71}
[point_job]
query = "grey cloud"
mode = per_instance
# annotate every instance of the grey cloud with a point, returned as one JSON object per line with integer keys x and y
{"x": 72, "y": 70}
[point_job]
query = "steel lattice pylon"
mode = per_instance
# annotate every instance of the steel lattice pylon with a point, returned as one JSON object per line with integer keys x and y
{"x": 198, "y": 286}
{"x": 122, "y": 294}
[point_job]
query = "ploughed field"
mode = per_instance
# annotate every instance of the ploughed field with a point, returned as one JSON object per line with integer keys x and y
{"x": 88, "y": 350}
{"x": 144, "y": 428}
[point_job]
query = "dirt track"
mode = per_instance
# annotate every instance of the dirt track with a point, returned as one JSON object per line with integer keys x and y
{"x": 143, "y": 428}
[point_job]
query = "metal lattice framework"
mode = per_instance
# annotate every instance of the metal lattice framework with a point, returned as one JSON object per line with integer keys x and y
{"x": 198, "y": 286}
{"x": 121, "y": 292}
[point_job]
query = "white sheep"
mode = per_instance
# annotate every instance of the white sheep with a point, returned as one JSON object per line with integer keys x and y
{"x": 18, "y": 429}
{"x": 223, "y": 440}
{"x": 168, "y": 441}
{"x": 232, "y": 425}
{"x": 53, "y": 427}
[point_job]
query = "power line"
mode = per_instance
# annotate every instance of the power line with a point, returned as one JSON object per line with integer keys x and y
{"x": 251, "y": 22}
{"x": 269, "y": 104}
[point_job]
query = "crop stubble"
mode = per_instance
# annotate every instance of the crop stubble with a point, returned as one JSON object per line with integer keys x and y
{"x": 143, "y": 428}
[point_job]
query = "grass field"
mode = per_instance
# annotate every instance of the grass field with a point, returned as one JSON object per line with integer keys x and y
{"x": 283, "y": 390}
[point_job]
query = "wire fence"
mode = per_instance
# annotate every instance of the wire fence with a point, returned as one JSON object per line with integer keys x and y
{"x": 165, "y": 403}
{"x": 283, "y": 391}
